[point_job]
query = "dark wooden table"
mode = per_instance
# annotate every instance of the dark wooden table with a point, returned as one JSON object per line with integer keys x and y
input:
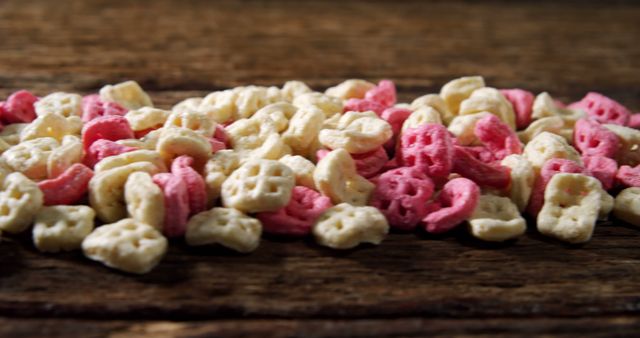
{"x": 412, "y": 284}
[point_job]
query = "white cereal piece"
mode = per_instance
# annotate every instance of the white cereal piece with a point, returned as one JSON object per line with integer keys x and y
{"x": 463, "y": 128}
{"x": 546, "y": 146}
{"x": 336, "y": 177}
{"x": 302, "y": 169}
{"x": 193, "y": 120}
{"x": 303, "y": 129}
{"x": 421, "y": 116}
{"x": 436, "y": 102}
{"x": 62, "y": 227}
{"x": 328, "y": 104}
{"x": 225, "y": 226}
{"x": 292, "y": 89}
{"x": 345, "y": 226}
{"x": 64, "y": 156}
{"x": 492, "y": 101}
{"x": 458, "y": 90}
{"x": 496, "y": 219}
{"x": 217, "y": 169}
{"x": 357, "y": 133}
{"x": 60, "y": 103}
{"x": 128, "y": 94}
{"x": 522, "y": 179}
{"x": 146, "y": 118}
{"x": 627, "y": 206}
{"x": 31, "y": 157}
{"x": 350, "y": 89}
{"x": 629, "y": 151}
{"x": 144, "y": 200}
{"x": 20, "y": 200}
{"x": 46, "y": 125}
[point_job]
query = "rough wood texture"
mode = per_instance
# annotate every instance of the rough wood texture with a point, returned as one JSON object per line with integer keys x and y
{"x": 178, "y": 49}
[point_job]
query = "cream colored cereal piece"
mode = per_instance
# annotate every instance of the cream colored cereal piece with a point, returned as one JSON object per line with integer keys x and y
{"x": 61, "y": 158}
{"x": 606, "y": 205}
{"x": 74, "y": 125}
{"x": 46, "y": 125}
{"x": 62, "y": 227}
{"x": 134, "y": 143}
{"x": 106, "y": 190}
{"x": 257, "y": 139}
{"x": 522, "y": 179}
{"x": 629, "y": 151}
{"x": 357, "y": 133}
{"x": 304, "y": 128}
{"x": 345, "y": 226}
{"x": 217, "y": 169}
{"x": 225, "y": 226}
{"x": 11, "y": 133}
{"x": 496, "y": 219}
{"x": 31, "y": 157}
{"x": 572, "y": 203}
{"x": 20, "y": 200}
{"x": 458, "y": 90}
{"x": 546, "y": 146}
{"x": 436, "y": 102}
{"x": 328, "y": 104}
{"x": 126, "y": 245}
{"x": 191, "y": 103}
{"x": 189, "y": 119}
{"x": 292, "y": 89}
{"x": 331, "y": 122}
{"x": 147, "y": 118}
{"x": 627, "y": 206}
{"x": 63, "y": 104}
{"x": 302, "y": 169}
{"x": 544, "y": 106}
{"x": 421, "y": 116}
{"x": 219, "y": 106}
{"x": 4, "y": 146}
{"x": 174, "y": 142}
{"x": 463, "y": 127}
{"x": 311, "y": 151}
{"x": 4, "y": 169}
{"x": 278, "y": 114}
{"x": 350, "y": 89}
{"x": 492, "y": 101}
{"x": 258, "y": 185}
{"x": 551, "y": 124}
{"x": 251, "y": 98}
{"x": 336, "y": 176}
{"x": 130, "y": 157}
{"x": 128, "y": 94}
{"x": 144, "y": 200}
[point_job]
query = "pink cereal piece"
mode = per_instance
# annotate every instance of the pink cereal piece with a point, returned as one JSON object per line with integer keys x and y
{"x": 369, "y": 164}
{"x": 401, "y": 195}
{"x": 69, "y": 187}
{"x": 522, "y": 102}
{"x": 93, "y": 106}
{"x": 429, "y": 147}
{"x": 298, "y": 216}
{"x": 482, "y": 153}
{"x": 19, "y": 107}
{"x": 395, "y": 117}
{"x": 592, "y": 139}
{"x": 497, "y": 137}
{"x": 101, "y": 149}
{"x": 216, "y": 145}
{"x": 182, "y": 167}
{"x": 455, "y": 203}
{"x": 111, "y": 128}
{"x": 548, "y": 170}
{"x": 484, "y": 174}
{"x": 176, "y": 203}
{"x": 602, "y": 168}
{"x": 603, "y": 109}
{"x": 384, "y": 93}
{"x": 220, "y": 134}
{"x": 634, "y": 121}
{"x": 362, "y": 105}
{"x": 629, "y": 176}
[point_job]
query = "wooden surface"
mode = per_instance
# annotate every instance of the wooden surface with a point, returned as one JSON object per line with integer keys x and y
{"x": 411, "y": 285}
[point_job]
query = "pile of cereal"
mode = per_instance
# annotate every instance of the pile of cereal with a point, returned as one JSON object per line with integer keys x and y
{"x": 343, "y": 166}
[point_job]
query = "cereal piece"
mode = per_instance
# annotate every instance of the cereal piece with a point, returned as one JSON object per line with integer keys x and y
{"x": 436, "y": 102}
{"x": 258, "y": 185}
{"x": 428, "y": 147}
{"x": 454, "y": 204}
{"x": 546, "y": 146}
{"x": 106, "y": 190}
{"x": 357, "y": 133}
{"x": 522, "y": 180}
{"x": 484, "y": 174}
{"x": 251, "y": 98}
{"x": 220, "y": 106}
{"x": 102, "y": 149}
{"x": 336, "y": 176}
{"x": 225, "y": 226}
{"x": 176, "y": 203}
{"x": 522, "y": 102}
{"x": 545, "y": 106}
{"x": 217, "y": 169}
{"x": 20, "y": 200}
{"x": 144, "y": 200}
{"x": 603, "y": 109}
{"x": 111, "y": 128}
{"x": 278, "y": 114}
{"x": 496, "y": 219}
{"x": 401, "y": 195}
{"x": 549, "y": 169}
{"x": 198, "y": 122}
{"x": 634, "y": 121}
{"x": 627, "y": 206}
{"x": 629, "y": 151}
{"x": 4, "y": 146}
{"x": 303, "y": 128}
{"x": 174, "y": 142}
{"x": 302, "y": 169}
{"x": 31, "y": 157}
{"x": 328, "y": 104}
{"x": 47, "y": 125}
{"x": 62, "y": 227}
{"x": 363, "y": 105}
{"x": 384, "y": 93}
{"x": 396, "y": 117}
{"x": 629, "y": 176}
{"x": 421, "y": 117}
{"x": 458, "y": 90}
{"x": 11, "y": 133}
{"x": 298, "y": 216}
{"x": 93, "y": 106}
{"x": 257, "y": 138}
{"x": 126, "y": 158}
{"x": 572, "y": 203}
{"x": 345, "y": 226}
{"x": 592, "y": 139}
{"x": 19, "y": 107}
{"x": 463, "y": 128}
{"x": 497, "y": 137}
{"x": 369, "y": 164}
{"x": 196, "y": 188}
{"x": 492, "y": 101}
{"x": 67, "y": 188}
{"x": 146, "y": 118}
{"x": 292, "y": 89}
{"x": 602, "y": 168}
{"x": 350, "y": 89}
{"x": 551, "y": 124}
{"x": 126, "y": 245}
{"x": 128, "y": 94}
{"x": 64, "y": 104}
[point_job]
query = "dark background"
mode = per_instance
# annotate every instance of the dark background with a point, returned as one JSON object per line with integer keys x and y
{"x": 410, "y": 285}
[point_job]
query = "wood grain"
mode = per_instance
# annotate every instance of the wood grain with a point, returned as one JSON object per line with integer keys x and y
{"x": 413, "y": 284}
